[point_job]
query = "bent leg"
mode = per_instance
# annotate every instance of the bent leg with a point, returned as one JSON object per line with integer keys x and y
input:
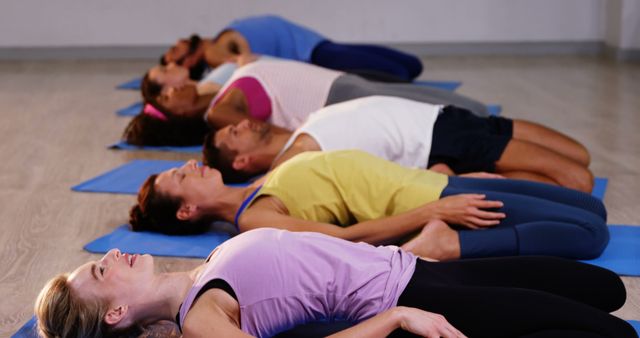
{"x": 535, "y": 226}
{"x": 522, "y": 155}
{"x": 514, "y": 297}
{"x": 551, "y": 139}
{"x": 533, "y": 189}
{"x": 563, "y": 277}
{"x": 362, "y": 57}
{"x": 513, "y": 312}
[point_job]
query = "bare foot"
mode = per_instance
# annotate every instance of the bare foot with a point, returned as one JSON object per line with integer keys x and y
{"x": 436, "y": 241}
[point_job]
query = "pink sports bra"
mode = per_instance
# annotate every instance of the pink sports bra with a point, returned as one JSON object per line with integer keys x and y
{"x": 257, "y": 99}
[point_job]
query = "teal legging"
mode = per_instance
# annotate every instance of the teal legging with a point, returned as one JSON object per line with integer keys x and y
{"x": 541, "y": 219}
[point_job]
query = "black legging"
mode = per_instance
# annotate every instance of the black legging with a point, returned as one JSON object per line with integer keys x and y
{"x": 531, "y": 297}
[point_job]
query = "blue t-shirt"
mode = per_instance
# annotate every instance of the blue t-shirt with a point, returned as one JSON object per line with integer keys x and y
{"x": 275, "y": 36}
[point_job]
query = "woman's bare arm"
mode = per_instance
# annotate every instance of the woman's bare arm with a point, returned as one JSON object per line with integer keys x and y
{"x": 464, "y": 209}
{"x": 416, "y": 321}
{"x": 215, "y": 314}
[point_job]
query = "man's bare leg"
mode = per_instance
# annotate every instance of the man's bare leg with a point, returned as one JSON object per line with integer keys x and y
{"x": 528, "y": 176}
{"x": 551, "y": 139}
{"x": 523, "y": 156}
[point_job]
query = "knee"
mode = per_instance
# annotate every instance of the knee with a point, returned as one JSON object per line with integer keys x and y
{"x": 583, "y": 156}
{"x": 598, "y": 240}
{"x": 578, "y": 178}
{"x": 612, "y": 284}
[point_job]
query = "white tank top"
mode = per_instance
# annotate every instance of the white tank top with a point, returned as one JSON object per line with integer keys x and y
{"x": 296, "y": 89}
{"x": 396, "y": 129}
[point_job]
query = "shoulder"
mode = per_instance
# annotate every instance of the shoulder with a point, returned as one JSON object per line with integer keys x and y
{"x": 265, "y": 210}
{"x": 213, "y": 311}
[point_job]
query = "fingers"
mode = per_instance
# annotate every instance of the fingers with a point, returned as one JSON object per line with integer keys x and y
{"x": 486, "y": 204}
{"x": 445, "y": 329}
{"x": 488, "y": 215}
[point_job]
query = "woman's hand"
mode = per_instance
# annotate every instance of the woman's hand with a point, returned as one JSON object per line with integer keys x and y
{"x": 482, "y": 174}
{"x": 427, "y": 324}
{"x": 466, "y": 210}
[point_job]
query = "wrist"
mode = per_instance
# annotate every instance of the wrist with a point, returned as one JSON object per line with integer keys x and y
{"x": 398, "y": 315}
{"x": 430, "y": 211}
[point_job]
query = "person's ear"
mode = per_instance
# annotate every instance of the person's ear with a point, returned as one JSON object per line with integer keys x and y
{"x": 116, "y": 315}
{"x": 241, "y": 162}
{"x": 186, "y": 212}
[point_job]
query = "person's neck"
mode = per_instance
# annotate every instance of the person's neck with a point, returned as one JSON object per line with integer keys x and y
{"x": 169, "y": 291}
{"x": 272, "y": 148}
{"x": 202, "y": 103}
{"x": 229, "y": 201}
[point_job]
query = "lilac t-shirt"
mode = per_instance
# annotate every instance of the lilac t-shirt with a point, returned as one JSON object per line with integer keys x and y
{"x": 283, "y": 279}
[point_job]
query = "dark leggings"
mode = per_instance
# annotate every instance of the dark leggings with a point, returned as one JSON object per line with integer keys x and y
{"x": 520, "y": 297}
{"x": 374, "y": 62}
{"x": 541, "y": 219}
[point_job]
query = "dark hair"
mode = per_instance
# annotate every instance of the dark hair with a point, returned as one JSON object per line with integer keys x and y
{"x": 222, "y": 158}
{"x": 149, "y": 89}
{"x": 196, "y": 72}
{"x": 156, "y": 212}
{"x": 146, "y": 130}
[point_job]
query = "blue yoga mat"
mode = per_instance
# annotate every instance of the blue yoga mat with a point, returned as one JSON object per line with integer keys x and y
{"x": 599, "y": 187}
{"x": 122, "y": 145}
{"x": 622, "y": 255}
{"x": 445, "y": 85}
{"x": 494, "y": 109}
{"x": 131, "y": 110}
{"x": 133, "y": 84}
{"x": 127, "y": 178}
{"x": 193, "y": 246}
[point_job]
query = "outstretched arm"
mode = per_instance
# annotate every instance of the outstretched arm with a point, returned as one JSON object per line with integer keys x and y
{"x": 416, "y": 321}
{"x": 464, "y": 209}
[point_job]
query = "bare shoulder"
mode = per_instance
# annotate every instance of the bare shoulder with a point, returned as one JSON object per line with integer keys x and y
{"x": 265, "y": 211}
{"x": 214, "y": 313}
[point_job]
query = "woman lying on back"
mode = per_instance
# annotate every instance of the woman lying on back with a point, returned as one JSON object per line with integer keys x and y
{"x": 356, "y": 196}
{"x": 267, "y": 281}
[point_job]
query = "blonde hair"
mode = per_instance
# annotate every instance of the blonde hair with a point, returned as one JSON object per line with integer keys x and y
{"x": 62, "y": 314}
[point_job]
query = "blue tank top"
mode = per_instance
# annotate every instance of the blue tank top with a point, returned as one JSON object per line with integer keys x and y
{"x": 275, "y": 36}
{"x": 282, "y": 279}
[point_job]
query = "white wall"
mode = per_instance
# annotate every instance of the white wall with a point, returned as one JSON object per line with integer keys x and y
{"x": 61, "y": 23}
{"x": 630, "y": 25}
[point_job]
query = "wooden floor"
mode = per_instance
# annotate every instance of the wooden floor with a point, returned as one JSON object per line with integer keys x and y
{"x": 57, "y": 118}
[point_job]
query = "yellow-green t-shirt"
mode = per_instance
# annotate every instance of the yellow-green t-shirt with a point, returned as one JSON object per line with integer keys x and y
{"x": 349, "y": 186}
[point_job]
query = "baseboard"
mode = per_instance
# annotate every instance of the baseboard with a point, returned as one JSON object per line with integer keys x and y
{"x": 622, "y": 54}
{"x": 504, "y": 48}
{"x": 82, "y": 53}
{"x": 591, "y": 48}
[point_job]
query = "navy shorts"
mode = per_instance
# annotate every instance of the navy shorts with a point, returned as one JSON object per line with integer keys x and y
{"x": 468, "y": 143}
